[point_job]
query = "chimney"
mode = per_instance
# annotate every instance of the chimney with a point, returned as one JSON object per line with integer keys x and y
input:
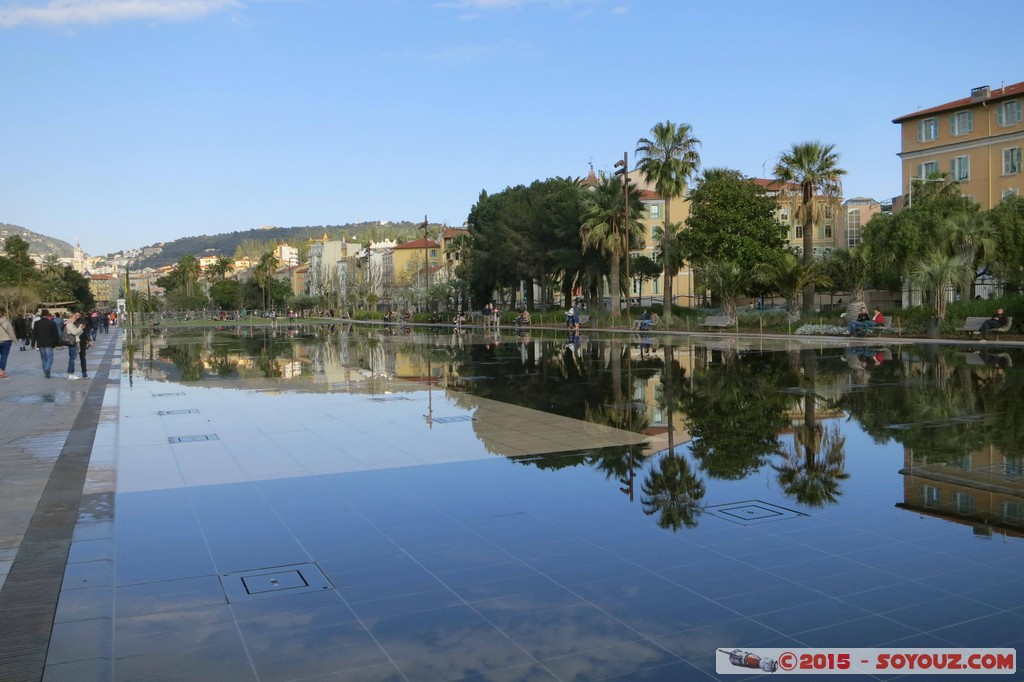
{"x": 980, "y": 93}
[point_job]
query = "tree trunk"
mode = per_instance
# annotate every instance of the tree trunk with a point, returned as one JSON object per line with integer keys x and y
{"x": 666, "y": 247}
{"x": 808, "y": 216}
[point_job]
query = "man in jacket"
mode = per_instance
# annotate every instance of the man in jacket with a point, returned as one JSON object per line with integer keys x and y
{"x": 46, "y": 336}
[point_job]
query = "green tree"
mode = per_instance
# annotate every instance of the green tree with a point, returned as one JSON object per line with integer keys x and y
{"x": 731, "y": 218}
{"x": 936, "y": 273}
{"x": 728, "y": 281}
{"x": 850, "y": 270}
{"x": 220, "y": 269}
{"x": 971, "y": 235}
{"x": 815, "y": 168}
{"x": 608, "y": 228}
{"x": 1007, "y": 262}
{"x": 787, "y": 275}
{"x": 674, "y": 492}
{"x": 668, "y": 159}
{"x": 264, "y": 271}
{"x": 643, "y": 269}
{"x": 224, "y": 294}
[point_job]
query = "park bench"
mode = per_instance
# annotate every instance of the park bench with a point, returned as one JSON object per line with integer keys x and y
{"x": 646, "y": 325}
{"x": 972, "y": 325}
{"x": 884, "y": 328}
{"x": 718, "y": 322}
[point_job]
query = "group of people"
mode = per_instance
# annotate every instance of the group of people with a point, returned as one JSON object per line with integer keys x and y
{"x": 866, "y": 322}
{"x": 47, "y": 332}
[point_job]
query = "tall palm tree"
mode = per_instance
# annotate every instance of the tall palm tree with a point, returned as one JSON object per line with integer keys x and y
{"x": 264, "y": 271}
{"x": 669, "y": 159}
{"x": 220, "y": 269}
{"x": 851, "y": 268}
{"x": 607, "y": 229}
{"x": 815, "y": 168}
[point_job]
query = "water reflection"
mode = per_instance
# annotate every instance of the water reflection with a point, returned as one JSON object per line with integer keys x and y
{"x": 713, "y": 414}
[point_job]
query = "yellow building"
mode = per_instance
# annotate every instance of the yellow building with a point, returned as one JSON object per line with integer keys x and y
{"x": 826, "y": 233}
{"x": 976, "y": 140}
{"x": 104, "y": 289}
{"x": 412, "y": 259}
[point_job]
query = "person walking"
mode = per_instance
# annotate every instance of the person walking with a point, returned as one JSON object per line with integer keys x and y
{"x": 21, "y": 329}
{"x": 46, "y": 338}
{"x": 84, "y": 344}
{"x": 7, "y": 338}
{"x": 73, "y": 326}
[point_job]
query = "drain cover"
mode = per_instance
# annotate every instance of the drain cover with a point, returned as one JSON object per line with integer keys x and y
{"x": 389, "y": 399}
{"x": 163, "y": 413}
{"x": 750, "y": 512}
{"x": 192, "y": 439}
{"x": 275, "y": 581}
{"x": 166, "y": 395}
{"x": 450, "y": 420}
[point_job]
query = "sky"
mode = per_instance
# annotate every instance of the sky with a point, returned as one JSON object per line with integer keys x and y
{"x": 125, "y": 123}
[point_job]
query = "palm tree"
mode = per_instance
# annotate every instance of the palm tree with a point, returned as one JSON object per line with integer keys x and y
{"x": 607, "y": 229}
{"x": 674, "y": 491}
{"x": 971, "y": 235}
{"x": 728, "y": 281}
{"x": 669, "y": 159}
{"x": 815, "y": 168}
{"x": 812, "y": 469}
{"x": 937, "y": 272}
{"x": 264, "y": 271}
{"x": 220, "y": 269}
{"x": 789, "y": 276}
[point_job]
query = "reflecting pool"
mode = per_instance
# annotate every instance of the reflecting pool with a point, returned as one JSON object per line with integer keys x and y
{"x": 367, "y": 503}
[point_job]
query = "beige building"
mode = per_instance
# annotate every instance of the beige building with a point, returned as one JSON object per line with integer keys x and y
{"x": 976, "y": 141}
{"x": 855, "y": 214}
{"x": 413, "y": 259}
{"x": 105, "y": 290}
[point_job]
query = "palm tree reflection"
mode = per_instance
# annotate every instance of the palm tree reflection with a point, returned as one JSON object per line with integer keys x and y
{"x": 672, "y": 490}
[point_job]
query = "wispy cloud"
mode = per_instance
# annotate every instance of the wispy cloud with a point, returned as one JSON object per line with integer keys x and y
{"x": 483, "y": 5}
{"x": 72, "y": 12}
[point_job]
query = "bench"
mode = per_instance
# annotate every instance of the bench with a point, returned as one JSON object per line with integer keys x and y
{"x": 884, "y": 328}
{"x": 972, "y": 325}
{"x": 645, "y": 325}
{"x": 718, "y": 322}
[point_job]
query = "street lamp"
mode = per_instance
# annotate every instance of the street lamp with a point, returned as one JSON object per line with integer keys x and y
{"x": 426, "y": 264}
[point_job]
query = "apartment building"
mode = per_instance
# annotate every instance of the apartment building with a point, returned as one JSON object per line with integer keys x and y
{"x": 976, "y": 141}
{"x": 827, "y": 234}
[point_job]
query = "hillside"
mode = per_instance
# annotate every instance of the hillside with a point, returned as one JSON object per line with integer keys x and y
{"x": 226, "y": 243}
{"x": 37, "y": 243}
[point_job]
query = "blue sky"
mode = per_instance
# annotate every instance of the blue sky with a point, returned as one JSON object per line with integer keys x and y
{"x": 128, "y": 122}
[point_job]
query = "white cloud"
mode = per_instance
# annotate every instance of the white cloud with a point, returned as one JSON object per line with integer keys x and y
{"x": 484, "y": 5}
{"x": 69, "y": 12}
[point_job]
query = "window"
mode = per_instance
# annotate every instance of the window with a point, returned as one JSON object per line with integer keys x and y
{"x": 960, "y": 168}
{"x": 932, "y": 495}
{"x": 1011, "y": 161}
{"x": 1010, "y": 192}
{"x": 433, "y": 253}
{"x": 654, "y": 211}
{"x": 928, "y": 130}
{"x": 799, "y": 231}
{"x": 961, "y": 123}
{"x": 964, "y": 502}
{"x": 927, "y": 169}
{"x": 1008, "y": 113}
{"x": 1012, "y": 512}
{"x": 825, "y": 232}
{"x": 1013, "y": 466}
{"x": 853, "y": 227}
{"x": 828, "y": 212}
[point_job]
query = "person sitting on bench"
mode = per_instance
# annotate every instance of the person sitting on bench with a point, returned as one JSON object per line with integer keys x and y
{"x": 994, "y": 322}
{"x": 863, "y": 322}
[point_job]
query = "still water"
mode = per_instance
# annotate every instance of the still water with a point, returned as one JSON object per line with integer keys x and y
{"x": 933, "y": 430}
{"x": 366, "y": 503}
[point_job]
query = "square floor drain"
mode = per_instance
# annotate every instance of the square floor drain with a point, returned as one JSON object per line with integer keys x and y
{"x": 749, "y": 512}
{"x": 164, "y": 413}
{"x": 389, "y": 399}
{"x": 452, "y": 420}
{"x": 275, "y": 581}
{"x": 192, "y": 439}
{"x": 166, "y": 395}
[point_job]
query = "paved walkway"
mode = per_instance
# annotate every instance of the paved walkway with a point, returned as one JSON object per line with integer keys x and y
{"x": 47, "y": 428}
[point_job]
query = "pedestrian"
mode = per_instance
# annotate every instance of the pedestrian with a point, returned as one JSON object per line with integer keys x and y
{"x": 21, "y": 328}
{"x": 7, "y": 338}
{"x": 46, "y": 338}
{"x": 75, "y": 327}
{"x": 94, "y": 324}
{"x": 105, "y": 322}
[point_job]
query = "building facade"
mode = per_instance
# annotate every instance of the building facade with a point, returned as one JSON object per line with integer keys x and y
{"x": 975, "y": 141}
